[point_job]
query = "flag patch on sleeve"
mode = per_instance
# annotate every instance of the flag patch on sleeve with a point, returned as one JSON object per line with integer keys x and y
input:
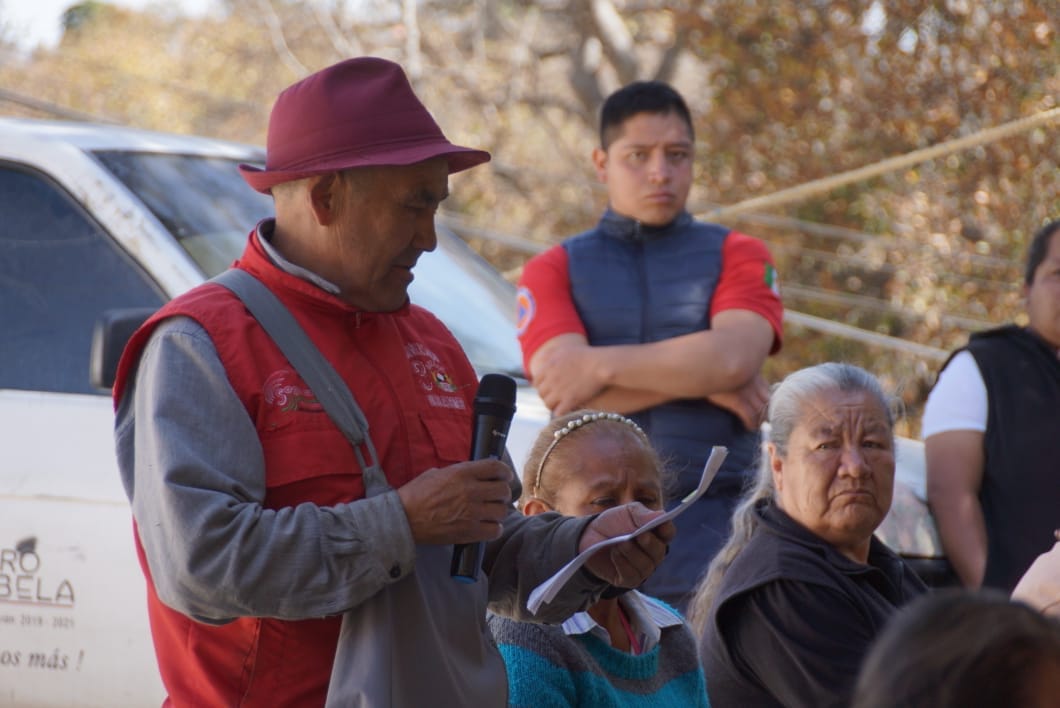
{"x": 772, "y": 280}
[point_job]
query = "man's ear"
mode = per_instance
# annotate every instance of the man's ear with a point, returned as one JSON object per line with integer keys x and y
{"x": 600, "y": 163}
{"x": 323, "y": 192}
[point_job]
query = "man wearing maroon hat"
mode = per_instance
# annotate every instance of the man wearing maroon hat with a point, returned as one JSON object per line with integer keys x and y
{"x": 259, "y": 527}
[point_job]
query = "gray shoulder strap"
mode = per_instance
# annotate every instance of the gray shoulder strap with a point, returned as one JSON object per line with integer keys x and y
{"x": 328, "y": 387}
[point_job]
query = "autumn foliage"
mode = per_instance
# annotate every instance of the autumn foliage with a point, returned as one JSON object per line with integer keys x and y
{"x": 783, "y": 93}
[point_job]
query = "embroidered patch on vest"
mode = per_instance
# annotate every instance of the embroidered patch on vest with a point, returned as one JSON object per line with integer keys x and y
{"x": 525, "y": 313}
{"x": 286, "y": 390}
{"x": 442, "y": 391}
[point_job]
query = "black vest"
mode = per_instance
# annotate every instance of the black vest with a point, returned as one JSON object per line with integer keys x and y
{"x": 783, "y": 552}
{"x": 1020, "y": 492}
{"x": 634, "y": 284}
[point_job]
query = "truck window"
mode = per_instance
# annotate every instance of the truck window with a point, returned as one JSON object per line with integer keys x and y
{"x": 58, "y": 272}
{"x": 201, "y": 200}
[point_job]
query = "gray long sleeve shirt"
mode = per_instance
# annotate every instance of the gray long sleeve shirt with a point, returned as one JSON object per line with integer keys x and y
{"x": 193, "y": 468}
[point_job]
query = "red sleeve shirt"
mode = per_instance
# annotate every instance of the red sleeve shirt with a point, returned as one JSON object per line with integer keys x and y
{"x": 546, "y": 309}
{"x": 748, "y": 282}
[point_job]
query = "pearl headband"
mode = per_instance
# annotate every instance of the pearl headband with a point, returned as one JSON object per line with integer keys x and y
{"x": 573, "y": 425}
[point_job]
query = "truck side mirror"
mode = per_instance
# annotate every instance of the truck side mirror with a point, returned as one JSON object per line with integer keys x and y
{"x": 110, "y": 334}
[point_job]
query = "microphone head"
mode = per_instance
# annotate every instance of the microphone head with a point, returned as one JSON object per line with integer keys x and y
{"x": 495, "y": 396}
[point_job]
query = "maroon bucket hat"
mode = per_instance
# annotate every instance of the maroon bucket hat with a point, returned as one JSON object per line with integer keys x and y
{"x": 357, "y": 113}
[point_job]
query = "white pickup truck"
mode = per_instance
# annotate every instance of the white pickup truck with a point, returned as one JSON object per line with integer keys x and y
{"x": 95, "y": 219}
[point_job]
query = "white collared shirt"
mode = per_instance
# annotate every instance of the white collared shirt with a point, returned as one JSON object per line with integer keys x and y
{"x": 647, "y": 618}
{"x": 265, "y": 230}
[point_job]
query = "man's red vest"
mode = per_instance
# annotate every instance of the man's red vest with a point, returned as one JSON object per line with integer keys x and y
{"x": 415, "y": 385}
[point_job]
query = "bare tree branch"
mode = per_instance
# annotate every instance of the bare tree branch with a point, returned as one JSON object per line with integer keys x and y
{"x": 343, "y": 46}
{"x": 550, "y": 101}
{"x": 668, "y": 64}
{"x": 413, "y": 59}
{"x": 583, "y": 78}
{"x": 279, "y": 43}
{"x": 617, "y": 42}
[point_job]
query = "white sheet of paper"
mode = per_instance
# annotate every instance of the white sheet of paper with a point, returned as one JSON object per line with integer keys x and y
{"x": 547, "y": 591}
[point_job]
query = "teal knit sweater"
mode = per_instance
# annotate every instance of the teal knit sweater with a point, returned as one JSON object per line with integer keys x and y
{"x": 549, "y": 669}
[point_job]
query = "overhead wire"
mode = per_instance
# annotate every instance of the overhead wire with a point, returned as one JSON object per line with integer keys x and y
{"x": 845, "y": 299}
{"x": 48, "y": 108}
{"x": 871, "y": 265}
{"x": 891, "y": 164}
{"x": 864, "y": 336}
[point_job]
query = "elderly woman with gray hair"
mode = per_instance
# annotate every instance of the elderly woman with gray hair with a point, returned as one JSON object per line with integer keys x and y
{"x": 791, "y": 603}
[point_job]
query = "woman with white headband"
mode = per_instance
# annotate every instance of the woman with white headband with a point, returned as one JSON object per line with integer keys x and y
{"x": 627, "y": 649}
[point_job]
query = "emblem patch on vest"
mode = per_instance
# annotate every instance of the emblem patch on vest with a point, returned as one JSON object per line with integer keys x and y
{"x": 433, "y": 378}
{"x": 286, "y": 390}
{"x": 524, "y": 300}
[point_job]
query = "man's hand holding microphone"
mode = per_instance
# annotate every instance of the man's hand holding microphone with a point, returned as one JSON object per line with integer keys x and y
{"x": 465, "y": 504}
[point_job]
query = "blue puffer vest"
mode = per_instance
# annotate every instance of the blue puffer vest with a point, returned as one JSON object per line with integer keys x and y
{"x": 634, "y": 284}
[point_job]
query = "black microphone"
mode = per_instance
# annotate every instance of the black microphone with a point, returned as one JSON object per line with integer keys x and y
{"x": 494, "y": 407}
